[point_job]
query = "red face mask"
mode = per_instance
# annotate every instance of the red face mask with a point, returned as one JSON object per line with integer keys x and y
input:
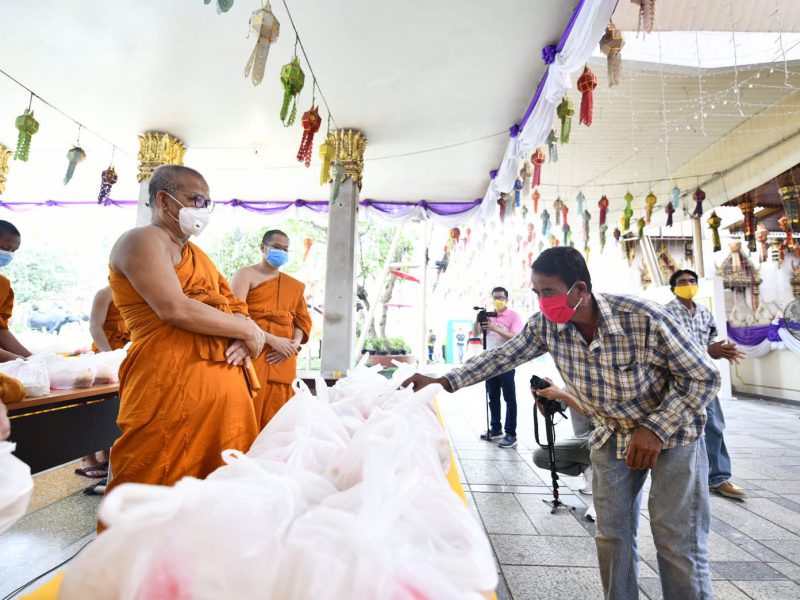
{"x": 556, "y": 309}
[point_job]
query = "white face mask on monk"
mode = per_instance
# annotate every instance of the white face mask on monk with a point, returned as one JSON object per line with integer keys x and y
{"x": 192, "y": 221}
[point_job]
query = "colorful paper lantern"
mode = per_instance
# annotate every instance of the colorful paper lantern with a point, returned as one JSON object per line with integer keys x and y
{"x": 267, "y": 29}
{"x": 603, "y": 229}
{"x": 749, "y": 222}
{"x": 75, "y": 155}
{"x": 603, "y": 206}
{"x": 311, "y": 124}
{"x": 518, "y": 193}
{"x": 640, "y": 228}
{"x": 27, "y": 126}
{"x": 698, "y": 196}
{"x": 325, "y": 151}
{"x": 580, "y": 201}
{"x": 223, "y": 6}
{"x": 617, "y": 235}
{"x": 307, "y": 243}
{"x": 558, "y": 206}
{"x": 650, "y": 202}
{"x": 538, "y": 160}
{"x": 628, "y": 213}
{"x": 545, "y": 223}
{"x": 502, "y": 203}
{"x": 670, "y": 210}
{"x": 587, "y": 219}
{"x": 565, "y": 111}
{"x": 526, "y": 173}
{"x": 714, "y": 222}
{"x": 107, "y": 179}
{"x": 647, "y": 14}
{"x": 536, "y": 197}
{"x": 676, "y": 197}
{"x": 292, "y": 79}
{"x": 611, "y": 45}
{"x": 552, "y": 146}
{"x": 587, "y": 83}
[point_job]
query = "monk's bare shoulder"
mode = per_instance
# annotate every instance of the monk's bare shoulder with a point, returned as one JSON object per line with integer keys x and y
{"x": 136, "y": 242}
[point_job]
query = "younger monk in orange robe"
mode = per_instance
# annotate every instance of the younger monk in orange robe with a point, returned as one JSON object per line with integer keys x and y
{"x": 277, "y": 303}
{"x": 106, "y": 324}
{"x": 10, "y": 348}
{"x": 185, "y": 389}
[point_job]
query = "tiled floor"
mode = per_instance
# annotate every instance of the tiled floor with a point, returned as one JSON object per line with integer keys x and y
{"x": 754, "y": 546}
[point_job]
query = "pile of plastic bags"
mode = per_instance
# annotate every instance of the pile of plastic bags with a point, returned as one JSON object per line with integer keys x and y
{"x": 16, "y": 485}
{"x": 46, "y": 371}
{"x": 342, "y": 496}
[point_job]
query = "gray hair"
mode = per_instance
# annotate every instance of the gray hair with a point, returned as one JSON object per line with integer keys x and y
{"x": 168, "y": 177}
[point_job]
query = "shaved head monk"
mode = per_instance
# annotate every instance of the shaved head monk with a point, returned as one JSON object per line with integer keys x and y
{"x": 277, "y": 303}
{"x": 10, "y": 348}
{"x": 187, "y": 384}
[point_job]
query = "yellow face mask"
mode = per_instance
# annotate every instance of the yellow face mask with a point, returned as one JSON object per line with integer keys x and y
{"x": 500, "y": 304}
{"x": 687, "y": 292}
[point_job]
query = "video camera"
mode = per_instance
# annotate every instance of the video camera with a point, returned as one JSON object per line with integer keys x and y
{"x": 549, "y": 409}
{"x": 483, "y": 315}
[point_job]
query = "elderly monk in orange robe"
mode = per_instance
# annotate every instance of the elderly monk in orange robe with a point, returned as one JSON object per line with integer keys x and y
{"x": 10, "y": 348}
{"x": 277, "y": 303}
{"x": 187, "y": 384}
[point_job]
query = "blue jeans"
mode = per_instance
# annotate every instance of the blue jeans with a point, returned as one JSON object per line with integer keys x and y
{"x": 494, "y": 386}
{"x": 680, "y": 518}
{"x": 719, "y": 462}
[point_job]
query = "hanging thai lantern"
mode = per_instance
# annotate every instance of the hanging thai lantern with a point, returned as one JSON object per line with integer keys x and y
{"x": 553, "y": 241}
{"x": 307, "y": 243}
{"x": 107, "y": 179}
{"x": 567, "y": 234}
{"x": 526, "y": 174}
{"x": 75, "y": 155}
{"x": 27, "y": 126}
{"x": 558, "y": 206}
{"x": 545, "y": 223}
{"x": 603, "y": 229}
{"x": 564, "y": 212}
{"x": 647, "y": 14}
{"x": 502, "y": 203}
{"x": 531, "y": 233}
{"x": 325, "y": 151}
{"x": 603, "y": 205}
{"x": 714, "y": 222}
{"x": 292, "y": 79}
{"x": 783, "y": 223}
{"x": 565, "y": 111}
{"x": 518, "y": 193}
{"x": 536, "y": 196}
{"x": 266, "y": 27}
{"x": 538, "y": 160}
{"x": 670, "y": 210}
{"x": 524, "y": 212}
{"x": 455, "y": 235}
{"x": 698, "y": 196}
{"x": 580, "y": 200}
{"x": 748, "y": 211}
{"x": 650, "y": 202}
{"x": 617, "y": 235}
{"x": 688, "y": 252}
{"x": 223, "y": 6}
{"x": 761, "y": 236}
{"x": 676, "y": 197}
{"x": 626, "y": 216}
{"x": 311, "y": 124}
{"x": 640, "y": 227}
{"x": 587, "y": 219}
{"x": 587, "y": 83}
{"x": 611, "y": 45}
{"x": 791, "y": 205}
{"x": 552, "y": 146}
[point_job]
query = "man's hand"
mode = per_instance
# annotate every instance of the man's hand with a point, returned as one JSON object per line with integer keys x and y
{"x": 726, "y": 350}
{"x": 418, "y": 381}
{"x": 285, "y": 347}
{"x": 237, "y": 352}
{"x": 644, "y": 449}
{"x": 5, "y": 423}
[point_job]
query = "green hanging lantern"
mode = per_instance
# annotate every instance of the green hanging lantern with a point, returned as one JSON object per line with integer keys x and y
{"x": 640, "y": 227}
{"x": 27, "y": 126}
{"x": 74, "y": 156}
{"x": 292, "y": 79}
{"x": 565, "y": 111}
{"x": 223, "y": 6}
{"x": 626, "y": 216}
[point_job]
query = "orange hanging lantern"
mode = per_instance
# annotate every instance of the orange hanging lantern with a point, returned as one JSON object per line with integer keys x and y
{"x": 538, "y": 160}
{"x": 587, "y": 83}
{"x": 311, "y": 124}
{"x": 307, "y": 243}
{"x": 536, "y": 197}
{"x": 455, "y": 234}
{"x": 603, "y": 206}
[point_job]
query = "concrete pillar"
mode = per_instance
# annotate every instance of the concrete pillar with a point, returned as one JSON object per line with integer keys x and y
{"x": 697, "y": 243}
{"x": 155, "y": 149}
{"x": 338, "y": 326}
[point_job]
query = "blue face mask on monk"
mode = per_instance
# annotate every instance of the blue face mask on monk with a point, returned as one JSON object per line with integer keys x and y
{"x": 277, "y": 258}
{"x": 6, "y": 257}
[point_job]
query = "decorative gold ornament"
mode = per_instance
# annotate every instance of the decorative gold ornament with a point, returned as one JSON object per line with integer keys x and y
{"x": 155, "y": 149}
{"x": 796, "y": 280}
{"x": 349, "y": 146}
{"x": 5, "y": 156}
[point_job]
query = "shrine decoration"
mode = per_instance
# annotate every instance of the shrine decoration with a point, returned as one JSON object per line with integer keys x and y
{"x": 761, "y": 236}
{"x": 27, "y": 126}
{"x": 650, "y": 202}
{"x": 565, "y": 110}
{"x": 603, "y": 229}
{"x": 698, "y": 196}
{"x": 749, "y": 223}
{"x": 518, "y": 193}
{"x": 670, "y": 211}
{"x": 552, "y": 146}
{"x": 617, "y": 234}
{"x": 535, "y": 197}
{"x": 75, "y": 155}
{"x": 292, "y": 79}
{"x": 267, "y": 29}
{"x": 107, "y": 179}
{"x": 326, "y": 152}
{"x": 580, "y": 200}
{"x": 739, "y": 274}
{"x": 538, "y": 160}
{"x": 640, "y": 228}
{"x": 714, "y": 222}
{"x": 558, "y": 207}
{"x": 223, "y": 6}
{"x": 790, "y": 196}
{"x": 628, "y": 213}
{"x": 611, "y": 45}
{"x": 311, "y": 124}
{"x": 587, "y": 83}
{"x": 647, "y": 14}
{"x": 676, "y": 197}
{"x": 5, "y": 155}
{"x": 502, "y": 203}
{"x": 307, "y": 243}
{"x": 545, "y": 223}
{"x": 783, "y": 223}
{"x": 603, "y": 206}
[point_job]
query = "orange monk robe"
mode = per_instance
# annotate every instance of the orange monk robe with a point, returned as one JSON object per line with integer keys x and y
{"x": 278, "y": 306}
{"x": 11, "y": 390}
{"x": 115, "y": 329}
{"x": 181, "y": 404}
{"x": 6, "y": 301}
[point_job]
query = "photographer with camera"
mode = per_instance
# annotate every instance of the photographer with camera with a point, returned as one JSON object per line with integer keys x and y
{"x": 644, "y": 383}
{"x": 499, "y": 327}
{"x": 572, "y": 454}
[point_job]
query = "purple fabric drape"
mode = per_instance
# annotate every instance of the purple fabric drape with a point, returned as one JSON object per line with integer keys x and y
{"x": 752, "y": 336}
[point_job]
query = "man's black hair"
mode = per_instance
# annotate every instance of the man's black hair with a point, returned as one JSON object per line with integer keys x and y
{"x": 7, "y": 228}
{"x": 500, "y": 289}
{"x": 272, "y": 232}
{"x": 565, "y": 263}
{"x": 673, "y": 279}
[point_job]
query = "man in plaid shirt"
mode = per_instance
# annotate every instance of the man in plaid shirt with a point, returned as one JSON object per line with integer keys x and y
{"x": 697, "y": 320}
{"x": 644, "y": 383}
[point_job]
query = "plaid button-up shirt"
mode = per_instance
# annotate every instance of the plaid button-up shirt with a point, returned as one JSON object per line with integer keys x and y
{"x": 700, "y": 324}
{"x": 641, "y": 368}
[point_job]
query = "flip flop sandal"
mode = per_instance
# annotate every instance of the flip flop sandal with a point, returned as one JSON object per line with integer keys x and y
{"x": 96, "y": 472}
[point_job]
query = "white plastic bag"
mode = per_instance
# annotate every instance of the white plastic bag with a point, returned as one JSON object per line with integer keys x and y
{"x": 106, "y": 365}
{"x": 16, "y": 485}
{"x": 72, "y": 374}
{"x": 33, "y": 376}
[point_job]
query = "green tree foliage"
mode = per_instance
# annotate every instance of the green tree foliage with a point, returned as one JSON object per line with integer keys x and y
{"x": 39, "y": 275}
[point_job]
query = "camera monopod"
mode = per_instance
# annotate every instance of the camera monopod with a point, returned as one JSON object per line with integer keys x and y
{"x": 482, "y": 317}
{"x": 549, "y": 409}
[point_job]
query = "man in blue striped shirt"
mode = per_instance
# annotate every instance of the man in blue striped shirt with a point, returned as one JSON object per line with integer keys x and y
{"x": 644, "y": 383}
